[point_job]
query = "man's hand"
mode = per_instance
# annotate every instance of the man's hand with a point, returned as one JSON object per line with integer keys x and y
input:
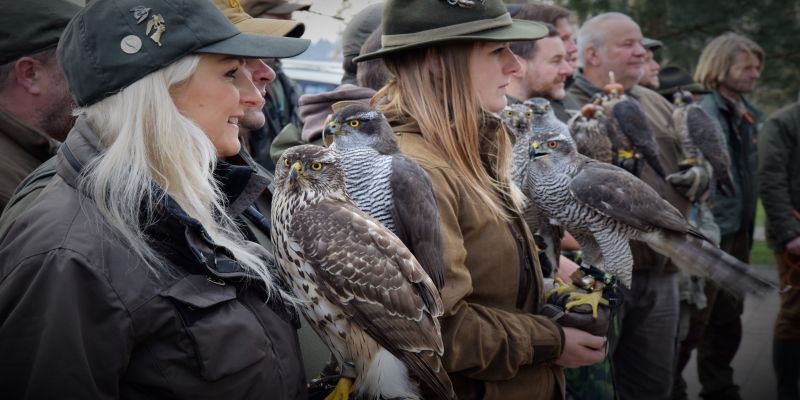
{"x": 793, "y": 246}
{"x": 581, "y": 349}
{"x": 693, "y": 182}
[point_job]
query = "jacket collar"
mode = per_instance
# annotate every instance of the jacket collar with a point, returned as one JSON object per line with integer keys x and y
{"x": 175, "y": 235}
{"x": 729, "y": 108}
{"x": 32, "y": 140}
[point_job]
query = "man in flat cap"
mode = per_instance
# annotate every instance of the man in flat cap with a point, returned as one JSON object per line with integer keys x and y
{"x": 35, "y": 106}
{"x": 283, "y": 93}
{"x": 651, "y": 65}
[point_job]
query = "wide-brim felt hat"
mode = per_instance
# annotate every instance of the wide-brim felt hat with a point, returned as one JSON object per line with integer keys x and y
{"x": 672, "y": 78}
{"x": 111, "y": 44}
{"x": 410, "y": 24}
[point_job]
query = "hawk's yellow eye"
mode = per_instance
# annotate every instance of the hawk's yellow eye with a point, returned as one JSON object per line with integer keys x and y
{"x": 286, "y": 162}
{"x": 354, "y": 123}
{"x": 529, "y": 114}
{"x": 509, "y": 113}
{"x": 552, "y": 144}
{"x": 318, "y": 166}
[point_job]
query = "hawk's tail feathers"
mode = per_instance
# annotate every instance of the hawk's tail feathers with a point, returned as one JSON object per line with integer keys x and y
{"x": 427, "y": 366}
{"x": 702, "y": 258}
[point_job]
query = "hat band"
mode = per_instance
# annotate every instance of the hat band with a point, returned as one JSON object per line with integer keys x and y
{"x": 446, "y": 31}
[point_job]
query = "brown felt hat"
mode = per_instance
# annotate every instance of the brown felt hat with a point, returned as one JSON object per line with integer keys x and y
{"x": 258, "y": 8}
{"x": 409, "y": 24}
{"x": 260, "y": 26}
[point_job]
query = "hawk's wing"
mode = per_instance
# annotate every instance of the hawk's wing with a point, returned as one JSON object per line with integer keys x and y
{"x": 416, "y": 216}
{"x": 633, "y": 123}
{"x": 366, "y": 270}
{"x": 624, "y": 197}
{"x": 708, "y": 137}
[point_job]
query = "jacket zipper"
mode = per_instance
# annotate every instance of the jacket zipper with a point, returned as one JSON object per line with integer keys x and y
{"x": 525, "y": 274}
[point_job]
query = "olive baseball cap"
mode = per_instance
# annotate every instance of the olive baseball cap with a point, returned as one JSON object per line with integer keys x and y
{"x": 30, "y": 26}
{"x": 110, "y": 44}
{"x": 409, "y": 24}
{"x": 261, "y": 26}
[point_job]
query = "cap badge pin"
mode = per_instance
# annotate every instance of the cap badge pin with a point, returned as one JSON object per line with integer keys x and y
{"x": 131, "y": 44}
{"x": 157, "y": 26}
{"x": 464, "y": 3}
{"x": 140, "y": 13}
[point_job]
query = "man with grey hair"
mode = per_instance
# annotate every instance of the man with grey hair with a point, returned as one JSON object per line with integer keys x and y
{"x": 35, "y": 106}
{"x": 643, "y": 350}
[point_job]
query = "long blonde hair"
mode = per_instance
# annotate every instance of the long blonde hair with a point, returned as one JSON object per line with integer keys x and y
{"x": 720, "y": 54}
{"x": 450, "y": 118}
{"x": 149, "y": 142}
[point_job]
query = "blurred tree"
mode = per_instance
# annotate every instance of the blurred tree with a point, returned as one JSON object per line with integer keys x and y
{"x": 685, "y": 26}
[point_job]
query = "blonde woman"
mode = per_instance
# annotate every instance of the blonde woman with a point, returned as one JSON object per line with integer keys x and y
{"x": 128, "y": 277}
{"x": 451, "y": 64}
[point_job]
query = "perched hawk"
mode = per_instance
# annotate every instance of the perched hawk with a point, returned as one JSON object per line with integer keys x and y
{"x": 386, "y": 184}
{"x": 588, "y": 129}
{"x": 604, "y": 207}
{"x": 357, "y": 284}
{"x": 702, "y": 140}
{"x": 517, "y": 117}
{"x": 628, "y": 130}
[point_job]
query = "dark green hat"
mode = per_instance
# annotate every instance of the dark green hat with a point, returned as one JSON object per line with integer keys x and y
{"x": 113, "y": 43}
{"x": 671, "y": 79}
{"x": 30, "y": 26}
{"x": 409, "y": 24}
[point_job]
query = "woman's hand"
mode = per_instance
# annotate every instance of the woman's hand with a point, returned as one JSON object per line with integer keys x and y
{"x": 581, "y": 349}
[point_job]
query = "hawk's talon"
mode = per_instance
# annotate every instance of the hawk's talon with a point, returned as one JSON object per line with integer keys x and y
{"x": 594, "y": 299}
{"x": 342, "y": 390}
{"x": 560, "y": 288}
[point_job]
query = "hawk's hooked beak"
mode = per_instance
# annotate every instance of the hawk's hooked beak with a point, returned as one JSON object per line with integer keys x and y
{"x": 295, "y": 170}
{"x": 332, "y": 128}
{"x": 536, "y": 150}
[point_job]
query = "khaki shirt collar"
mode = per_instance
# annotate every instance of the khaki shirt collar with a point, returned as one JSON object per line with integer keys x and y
{"x": 33, "y": 141}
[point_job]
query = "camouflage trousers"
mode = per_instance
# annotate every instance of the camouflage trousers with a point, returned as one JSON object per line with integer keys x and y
{"x": 594, "y": 382}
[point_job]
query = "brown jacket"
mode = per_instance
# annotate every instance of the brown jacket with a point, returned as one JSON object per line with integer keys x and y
{"x": 82, "y": 317}
{"x": 22, "y": 149}
{"x": 659, "y": 116}
{"x": 494, "y": 342}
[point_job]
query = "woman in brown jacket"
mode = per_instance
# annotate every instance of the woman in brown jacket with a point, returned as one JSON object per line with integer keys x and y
{"x": 451, "y": 65}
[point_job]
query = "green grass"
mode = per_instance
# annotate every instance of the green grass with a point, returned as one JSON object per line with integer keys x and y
{"x": 760, "y": 253}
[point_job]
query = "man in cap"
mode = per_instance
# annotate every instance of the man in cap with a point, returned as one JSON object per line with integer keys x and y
{"x": 35, "y": 106}
{"x": 651, "y": 66}
{"x": 644, "y": 354}
{"x": 283, "y": 94}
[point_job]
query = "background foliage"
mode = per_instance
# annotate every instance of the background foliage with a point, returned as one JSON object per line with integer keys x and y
{"x": 685, "y": 26}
